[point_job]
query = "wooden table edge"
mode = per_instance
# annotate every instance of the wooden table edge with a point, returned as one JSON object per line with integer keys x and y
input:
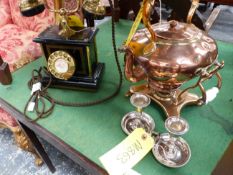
{"x": 70, "y": 152}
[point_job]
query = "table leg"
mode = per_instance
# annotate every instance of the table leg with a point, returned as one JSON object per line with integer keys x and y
{"x": 38, "y": 146}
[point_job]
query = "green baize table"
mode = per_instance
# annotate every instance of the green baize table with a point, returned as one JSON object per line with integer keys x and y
{"x": 86, "y": 133}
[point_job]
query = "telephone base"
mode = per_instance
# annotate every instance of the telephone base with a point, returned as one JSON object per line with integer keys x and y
{"x": 88, "y": 83}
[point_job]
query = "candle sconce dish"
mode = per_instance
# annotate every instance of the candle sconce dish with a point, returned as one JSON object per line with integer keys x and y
{"x": 176, "y": 125}
{"x": 171, "y": 151}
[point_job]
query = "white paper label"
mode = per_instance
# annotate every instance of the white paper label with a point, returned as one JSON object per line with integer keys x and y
{"x": 211, "y": 94}
{"x": 36, "y": 87}
{"x": 128, "y": 153}
{"x": 31, "y": 106}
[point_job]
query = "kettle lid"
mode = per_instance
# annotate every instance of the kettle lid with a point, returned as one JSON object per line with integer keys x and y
{"x": 177, "y": 31}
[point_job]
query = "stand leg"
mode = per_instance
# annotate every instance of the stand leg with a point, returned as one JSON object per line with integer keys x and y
{"x": 171, "y": 105}
{"x": 38, "y": 147}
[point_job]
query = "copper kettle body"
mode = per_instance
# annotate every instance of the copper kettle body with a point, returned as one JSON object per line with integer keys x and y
{"x": 169, "y": 54}
{"x": 179, "y": 54}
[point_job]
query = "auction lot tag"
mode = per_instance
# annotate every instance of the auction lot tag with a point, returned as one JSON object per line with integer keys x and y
{"x": 128, "y": 153}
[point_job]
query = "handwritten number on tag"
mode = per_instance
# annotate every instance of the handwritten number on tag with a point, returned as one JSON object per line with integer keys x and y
{"x": 130, "y": 151}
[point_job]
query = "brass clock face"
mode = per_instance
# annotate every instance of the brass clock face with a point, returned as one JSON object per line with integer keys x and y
{"x": 61, "y": 65}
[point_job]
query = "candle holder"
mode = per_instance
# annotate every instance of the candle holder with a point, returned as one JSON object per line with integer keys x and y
{"x": 176, "y": 125}
{"x": 171, "y": 151}
{"x": 138, "y": 118}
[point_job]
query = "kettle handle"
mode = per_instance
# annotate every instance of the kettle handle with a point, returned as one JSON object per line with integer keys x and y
{"x": 209, "y": 22}
{"x": 147, "y": 7}
{"x": 195, "y": 4}
{"x": 206, "y": 75}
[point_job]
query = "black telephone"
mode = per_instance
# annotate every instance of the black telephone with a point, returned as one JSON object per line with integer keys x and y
{"x": 71, "y": 53}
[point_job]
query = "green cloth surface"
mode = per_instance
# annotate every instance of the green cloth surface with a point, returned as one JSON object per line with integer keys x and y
{"x": 96, "y": 129}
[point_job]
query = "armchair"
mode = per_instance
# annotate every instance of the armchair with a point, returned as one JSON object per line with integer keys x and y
{"x": 17, "y": 32}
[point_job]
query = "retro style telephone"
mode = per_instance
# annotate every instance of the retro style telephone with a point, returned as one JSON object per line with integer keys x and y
{"x": 70, "y": 52}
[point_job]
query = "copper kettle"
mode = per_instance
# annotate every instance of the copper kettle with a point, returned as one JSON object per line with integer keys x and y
{"x": 168, "y": 54}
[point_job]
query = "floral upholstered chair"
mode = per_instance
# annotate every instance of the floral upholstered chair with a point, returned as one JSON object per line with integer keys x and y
{"x": 18, "y": 49}
{"x": 17, "y": 32}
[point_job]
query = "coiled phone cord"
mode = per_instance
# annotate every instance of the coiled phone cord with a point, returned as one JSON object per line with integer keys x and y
{"x": 42, "y": 95}
{"x": 39, "y": 97}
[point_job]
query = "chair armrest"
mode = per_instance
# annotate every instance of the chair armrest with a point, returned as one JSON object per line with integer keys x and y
{"x": 5, "y": 13}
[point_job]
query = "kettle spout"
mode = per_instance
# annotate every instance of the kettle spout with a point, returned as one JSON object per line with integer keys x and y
{"x": 134, "y": 72}
{"x": 209, "y": 22}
